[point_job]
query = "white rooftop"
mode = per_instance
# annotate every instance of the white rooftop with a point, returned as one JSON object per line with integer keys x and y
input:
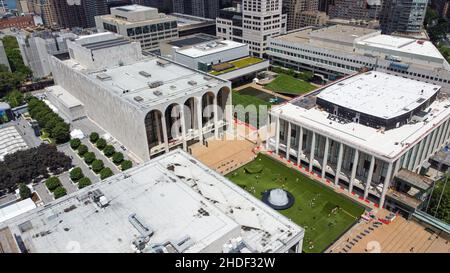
{"x": 10, "y": 141}
{"x": 211, "y": 47}
{"x": 64, "y": 97}
{"x": 175, "y": 195}
{"x": 177, "y": 81}
{"x": 379, "y": 94}
{"x": 16, "y": 209}
{"x": 387, "y": 145}
{"x": 402, "y": 44}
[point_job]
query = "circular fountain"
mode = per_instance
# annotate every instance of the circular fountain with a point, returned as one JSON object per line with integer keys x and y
{"x": 278, "y": 199}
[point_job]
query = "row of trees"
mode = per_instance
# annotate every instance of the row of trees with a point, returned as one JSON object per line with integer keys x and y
{"x": 109, "y": 151}
{"x": 77, "y": 176}
{"x": 31, "y": 165}
{"x": 439, "y": 203}
{"x": 53, "y": 124}
{"x": 89, "y": 158}
{"x": 54, "y": 185}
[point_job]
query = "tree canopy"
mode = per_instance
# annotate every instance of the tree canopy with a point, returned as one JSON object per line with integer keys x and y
{"x": 31, "y": 165}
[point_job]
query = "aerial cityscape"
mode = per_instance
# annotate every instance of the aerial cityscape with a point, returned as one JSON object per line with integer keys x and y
{"x": 224, "y": 126}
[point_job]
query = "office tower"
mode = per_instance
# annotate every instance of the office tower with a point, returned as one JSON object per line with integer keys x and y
{"x": 295, "y": 10}
{"x": 252, "y": 22}
{"x": 201, "y": 8}
{"x": 403, "y": 16}
{"x": 355, "y": 9}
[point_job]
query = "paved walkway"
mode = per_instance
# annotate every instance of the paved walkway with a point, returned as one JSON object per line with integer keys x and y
{"x": 224, "y": 156}
{"x": 399, "y": 236}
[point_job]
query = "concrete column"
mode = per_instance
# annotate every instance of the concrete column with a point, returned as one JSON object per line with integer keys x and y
{"x": 387, "y": 181}
{"x": 413, "y": 157}
{"x": 418, "y": 155}
{"x": 339, "y": 164}
{"x": 183, "y": 127}
{"x": 397, "y": 166}
{"x": 199, "y": 120}
{"x": 325, "y": 156}
{"x": 369, "y": 177}
{"x": 354, "y": 168}
{"x": 267, "y": 131}
{"x": 277, "y": 134}
{"x": 158, "y": 133}
{"x": 311, "y": 156}
{"x": 164, "y": 129}
{"x": 425, "y": 149}
{"x": 300, "y": 144}
{"x": 288, "y": 143}
{"x": 216, "y": 118}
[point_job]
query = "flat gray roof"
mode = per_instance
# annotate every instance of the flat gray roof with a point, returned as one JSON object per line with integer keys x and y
{"x": 174, "y": 195}
{"x": 379, "y": 94}
{"x": 132, "y": 82}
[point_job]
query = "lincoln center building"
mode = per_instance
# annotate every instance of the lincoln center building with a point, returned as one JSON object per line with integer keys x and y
{"x": 138, "y": 99}
{"x": 359, "y": 132}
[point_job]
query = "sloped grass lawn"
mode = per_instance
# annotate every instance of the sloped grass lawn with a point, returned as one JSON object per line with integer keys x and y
{"x": 289, "y": 85}
{"x": 241, "y": 63}
{"x": 324, "y": 214}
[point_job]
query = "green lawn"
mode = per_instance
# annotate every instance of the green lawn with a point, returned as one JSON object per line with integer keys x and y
{"x": 313, "y": 205}
{"x": 244, "y": 62}
{"x": 289, "y": 85}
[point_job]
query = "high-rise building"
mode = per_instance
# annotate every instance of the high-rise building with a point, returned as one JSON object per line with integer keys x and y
{"x": 201, "y": 8}
{"x": 252, "y": 22}
{"x": 295, "y": 10}
{"x": 67, "y": 14}
{"x": 143, "y": 24}
{"x": 355, "y": 9}
{"x": 165, "y": 6}
{"x": 405, "y": 16}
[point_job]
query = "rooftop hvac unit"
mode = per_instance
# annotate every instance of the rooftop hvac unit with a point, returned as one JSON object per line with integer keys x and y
{"x": 162, "y": 62}
{"x": 207, "y": 78}
{"x": 138, "y": 98}
{"x": 103, "y": 76}
{"x": 157, "y": 93}
{"x": 192, "y": 83}
{"x": 155, "y": 84}
{"x": 145, "y": 74}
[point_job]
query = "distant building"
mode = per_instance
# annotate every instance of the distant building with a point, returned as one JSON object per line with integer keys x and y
{"x": 143, "y": 24}
{"x": 17, "y": 21}
{"x": 189, "y": 25}
{"x": 355, "y": 9}
{"x": 341, "y": 50}
{"x": 165, "y": 6}
{"x": 37, "y": 46}
{"x": 252, "y": 23}
{"x": 223, "y": 58}
{"x": 360, "y": 135}
{"x": 185, "y": 208}
{"x": 3, "y": 58}
{"x": 403, "y": 16}
{"x": 200, "y": 8}
{"x": 138, "y": 99}
{"x": 300, "y": 12}
{"x": 312, "y": 18}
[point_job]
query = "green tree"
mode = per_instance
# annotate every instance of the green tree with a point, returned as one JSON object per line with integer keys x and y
{"x": 24, "y": 191}
{"x": 59, "y": 192}
{"x": 52, "y": 183}
{"x": 117, "y": 158}
{"x": 109, "y": 150}
{"x": 60, "y": 133}
{"x": 75, "y": 143}
{"x": 105, "y": 173}
{"x": 97, "y": 165}
{"x": 439, "y": 204}
{"x": 126, "y": 164}
{"x": 84, "y": 182}
{"x": 14, "y": 98}
{"x": 101, "y": 143}
{"x": 82, "y": 149}
{"x": 89, "y": 157}
{"x": 93, "y": 137}
{"x": 76, "y": 174}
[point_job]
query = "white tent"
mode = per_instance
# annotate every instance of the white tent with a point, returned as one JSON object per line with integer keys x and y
{"x": 77, "y": 133}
